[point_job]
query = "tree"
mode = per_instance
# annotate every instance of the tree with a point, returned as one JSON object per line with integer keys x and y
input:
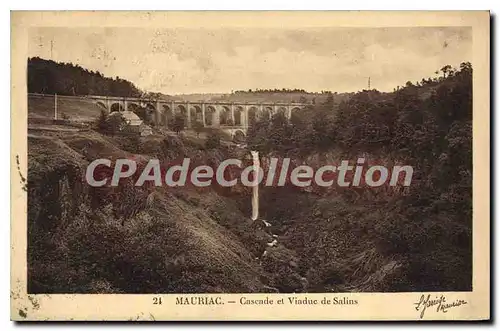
{"x": 140, "y": 112}
{"x": 151, "y": 95}
{"x": 279, "y": 135}
{"x": 322, "y": 129}
{"x": 102, "y": 122}
{"x": 178, "y": 123}
{"x": 145, "y": 114}
{"x": 110, "y": 124}
{"x": 446, "y": 70}
{"x": 466, "y": 67}
{"x": 258, "y": 135}
{"x": 329, "y": 102}
{"x": 115, "y": 123}
{"x": 198, "y": 128}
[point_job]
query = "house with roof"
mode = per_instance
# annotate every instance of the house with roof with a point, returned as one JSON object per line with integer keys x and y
{"x": 134, "y": 123}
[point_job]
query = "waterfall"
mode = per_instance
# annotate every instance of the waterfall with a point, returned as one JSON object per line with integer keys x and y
{"x": 255, "y": 187}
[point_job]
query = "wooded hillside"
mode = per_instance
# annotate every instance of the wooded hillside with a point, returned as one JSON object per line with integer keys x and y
{"x": 49, "y": 77}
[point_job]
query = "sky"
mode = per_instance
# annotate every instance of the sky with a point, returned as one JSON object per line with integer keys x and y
{"x": 184, "y": 61}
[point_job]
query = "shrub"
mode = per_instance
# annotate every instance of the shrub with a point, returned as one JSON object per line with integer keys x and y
{"x": 213, "y": 141}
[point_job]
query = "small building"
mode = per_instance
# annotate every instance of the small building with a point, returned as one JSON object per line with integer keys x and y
{"x": 133, "y": 123}
{"x": 131, "y": 118}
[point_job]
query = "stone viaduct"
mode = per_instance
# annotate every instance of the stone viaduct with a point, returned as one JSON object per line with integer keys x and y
{"x": 231, "y": 116}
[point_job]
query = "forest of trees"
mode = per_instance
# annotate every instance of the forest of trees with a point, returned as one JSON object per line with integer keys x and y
{"x": 49, "y": 77}
{"x": 413, "y": 116}
{"x": 283, "y": 90}
{"x": 427, "y": 125}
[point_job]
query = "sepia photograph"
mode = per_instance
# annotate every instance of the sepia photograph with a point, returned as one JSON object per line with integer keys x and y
{"x": 288, "y": 164}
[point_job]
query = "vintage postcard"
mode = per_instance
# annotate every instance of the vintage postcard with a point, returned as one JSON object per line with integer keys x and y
{"x": 180, "y": 166}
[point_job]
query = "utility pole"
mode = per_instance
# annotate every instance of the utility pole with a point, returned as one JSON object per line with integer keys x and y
{"x": 51, "y": 47}
{"x": 368, "y": 83}
{"x": 55, "y": 106}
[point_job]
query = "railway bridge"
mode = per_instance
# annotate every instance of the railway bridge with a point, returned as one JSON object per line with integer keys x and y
{"x": 218, "y": 114}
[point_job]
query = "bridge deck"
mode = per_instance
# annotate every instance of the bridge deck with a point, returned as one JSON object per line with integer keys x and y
{"x": 162, "y": 101}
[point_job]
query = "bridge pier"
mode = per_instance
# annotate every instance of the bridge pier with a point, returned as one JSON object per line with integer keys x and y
{"x": 203, "y": 114}
{"x": 158, "y": 114}
{"x": 232, "y": 114}
{"x": 216, "y": 118}
{"x": 244, "y": 116}
{"x": 188, "y": 109}
{"x": 172, "y": 109}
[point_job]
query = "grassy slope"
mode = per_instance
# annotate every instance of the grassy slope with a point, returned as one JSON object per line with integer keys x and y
{"x": 76, "y": 109}
{"x": 177, "y": 243}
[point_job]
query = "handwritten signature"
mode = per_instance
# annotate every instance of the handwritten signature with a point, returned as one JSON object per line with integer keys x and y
{"x": 439, "y": 301}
